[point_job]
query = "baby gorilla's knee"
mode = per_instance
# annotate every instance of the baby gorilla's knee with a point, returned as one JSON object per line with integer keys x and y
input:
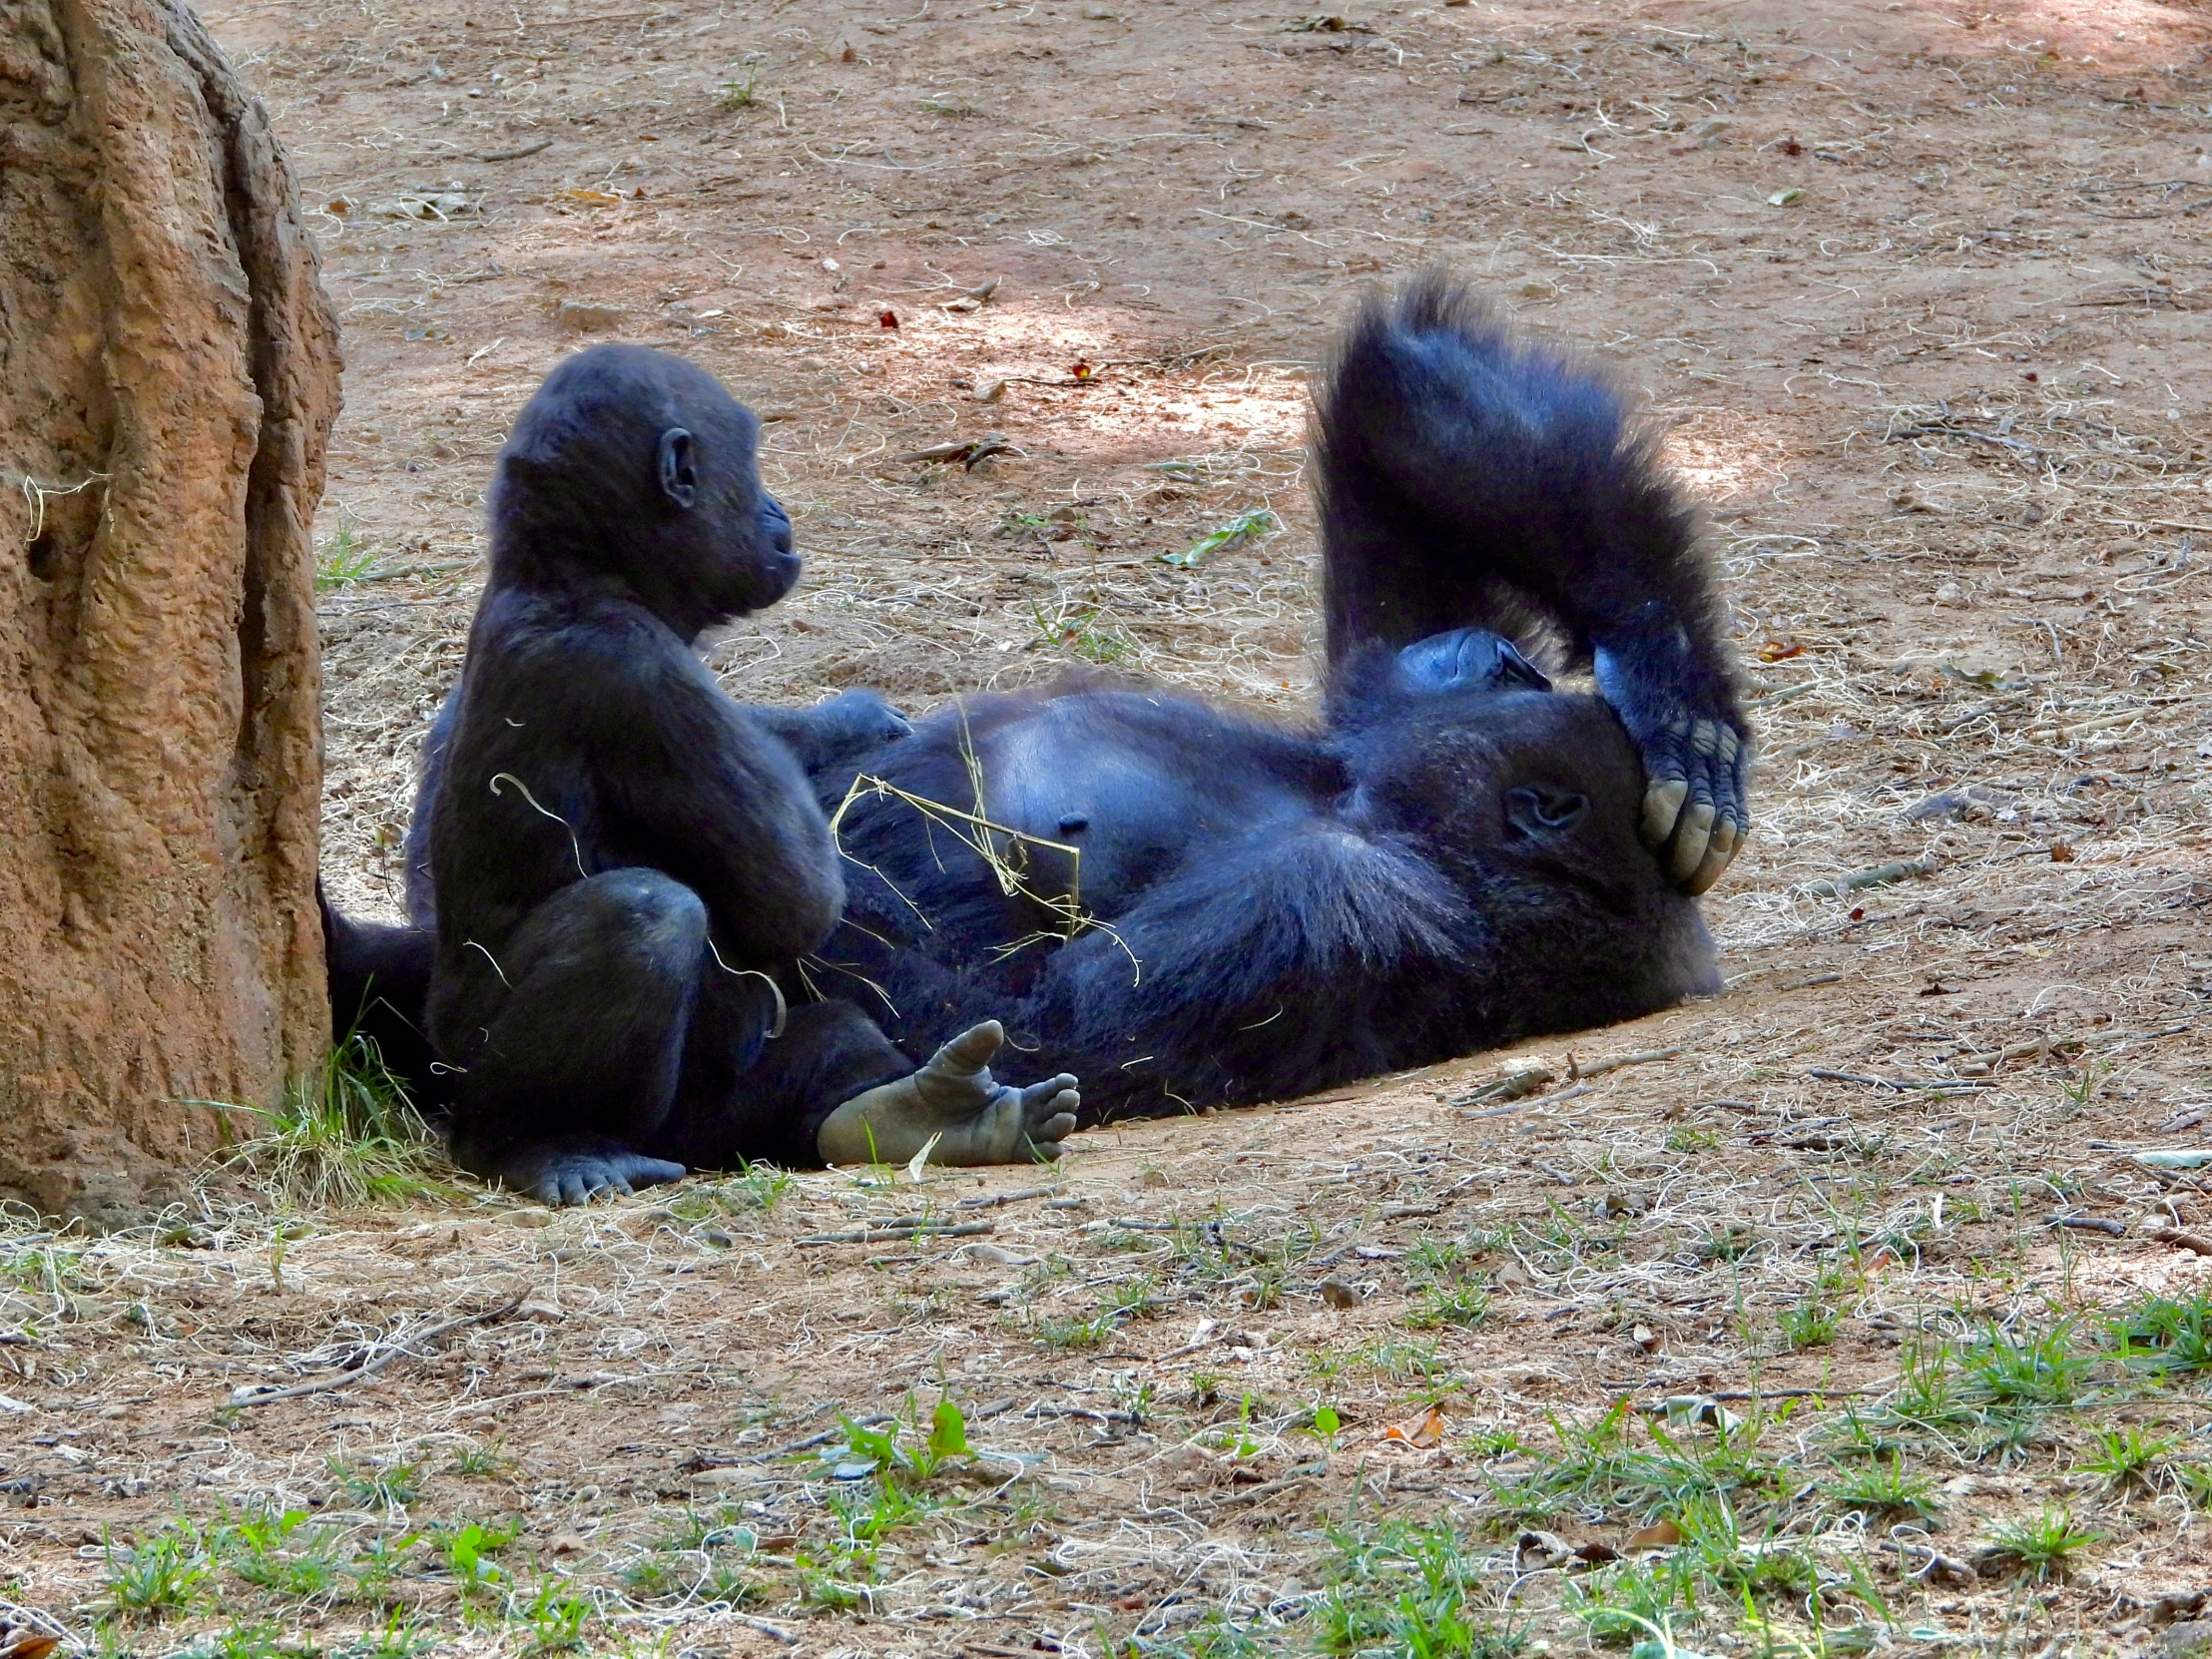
{"x": 660, "y": 916}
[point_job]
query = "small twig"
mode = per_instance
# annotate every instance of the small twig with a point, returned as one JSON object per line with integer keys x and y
{"x": 1267, "y": 1488}
{"x": 1621, "y": 1062}
{"x": 2091, "y": 1224}
{"x": 516, "y": 156}
{"x": 896, "y": 1234}
{"x": 2182, "y": 1240}
{"x": 1897, "y": 1085}
{"x": 990, "y": 1200}
{"x": 369, "y": 1367}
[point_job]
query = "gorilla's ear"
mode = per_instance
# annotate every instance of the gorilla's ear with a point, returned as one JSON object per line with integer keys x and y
{"x": 1543, "y": 810}
{"x": 679, "y": 479}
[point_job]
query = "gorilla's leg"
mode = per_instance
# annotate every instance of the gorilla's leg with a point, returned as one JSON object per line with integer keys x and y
{"x": 379, "y": 978}
{"x": 1467, "y": 476}
{"x": 571, "y": 1040}
{"x": 954, "y": 1103}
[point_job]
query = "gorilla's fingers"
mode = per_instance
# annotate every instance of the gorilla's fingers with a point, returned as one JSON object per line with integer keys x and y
{"x": 1042, "y": 1102}
{"x": 1692, "y": 836}
{"x": 1662, "y": 807}
{"x": 1718, "y": 855}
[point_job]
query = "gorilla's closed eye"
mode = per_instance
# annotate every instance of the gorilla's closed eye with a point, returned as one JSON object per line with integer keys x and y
{"x": 679, "y": 479}
{"x": 1534, "y": 809}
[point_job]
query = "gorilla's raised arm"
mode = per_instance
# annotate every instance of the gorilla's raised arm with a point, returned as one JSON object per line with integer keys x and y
{"x": 1467, "y": 476}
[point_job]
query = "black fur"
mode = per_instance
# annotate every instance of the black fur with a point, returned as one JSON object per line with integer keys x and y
{"x": 1465, "y": 476}
{"x": 622, "y": 857}
{"x": 1451, "y": 861}
{"x": 1448, "y": 860}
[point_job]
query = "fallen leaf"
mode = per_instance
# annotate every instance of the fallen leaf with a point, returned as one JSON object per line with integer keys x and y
{"x": 887, "y": 319}
{"x": 593, "y": 195}
{"x": 2061, "y": 852}
{"x": 1533, "y": 1552}
{"x": 1659, "y": 1535}
{"x": 1780, "y": 651}
{"x": 1425, "y": 1433}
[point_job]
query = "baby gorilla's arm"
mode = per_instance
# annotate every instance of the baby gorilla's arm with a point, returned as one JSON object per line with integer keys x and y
{"x": 973, "y": 1118}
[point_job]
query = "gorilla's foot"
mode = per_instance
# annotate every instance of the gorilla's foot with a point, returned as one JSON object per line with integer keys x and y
{"x": 954, "y": 1100}
{"x": 572, "y": 1170}
{"x": 1697, "y": 799}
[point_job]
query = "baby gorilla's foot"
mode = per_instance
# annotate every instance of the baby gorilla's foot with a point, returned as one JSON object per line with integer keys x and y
{"x": 973, "y": 1118}
{"x": 572, "y": 1170}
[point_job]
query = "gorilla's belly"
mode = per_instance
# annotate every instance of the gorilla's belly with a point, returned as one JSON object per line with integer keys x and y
{"x": 1080, "y": 774}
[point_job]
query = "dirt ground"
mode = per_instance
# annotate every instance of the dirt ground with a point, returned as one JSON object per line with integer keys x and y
{"x": 1921, "y": 295}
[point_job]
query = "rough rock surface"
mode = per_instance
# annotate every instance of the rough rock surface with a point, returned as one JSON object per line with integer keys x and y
{"x": 168, "y": 374}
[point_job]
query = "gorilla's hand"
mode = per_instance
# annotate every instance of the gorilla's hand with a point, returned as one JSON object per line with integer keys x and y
{"x": 1697, "y": 761}
{"x": 846, "y": 728}
{"x": 973, "y": 1118}
{"x": 573, "y": 1169}
{"x": 1696, "y": 803}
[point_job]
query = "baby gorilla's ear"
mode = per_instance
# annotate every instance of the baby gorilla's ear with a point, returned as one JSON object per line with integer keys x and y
{"x": 678, "y": 477}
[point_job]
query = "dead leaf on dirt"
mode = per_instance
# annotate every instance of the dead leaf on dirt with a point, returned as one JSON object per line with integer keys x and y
{"x": 1425, "y": 1433}
{"x": 596, "y": 198}
{"x": 1663, "y": 1534}
{"x": 1533, "y": 1552}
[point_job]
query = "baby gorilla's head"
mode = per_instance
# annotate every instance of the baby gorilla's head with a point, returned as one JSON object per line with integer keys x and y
{"x": 638, "y": 468}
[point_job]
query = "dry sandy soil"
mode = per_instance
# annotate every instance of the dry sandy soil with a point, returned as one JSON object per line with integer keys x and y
{"x": 1921, "y": 293}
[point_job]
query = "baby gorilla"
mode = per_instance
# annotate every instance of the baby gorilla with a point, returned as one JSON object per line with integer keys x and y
{"x": 625, "y": 862}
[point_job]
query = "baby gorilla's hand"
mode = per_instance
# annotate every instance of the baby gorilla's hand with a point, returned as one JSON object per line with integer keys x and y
{"x": 973, "y": 1118}
{"x": 579, "y": 1169}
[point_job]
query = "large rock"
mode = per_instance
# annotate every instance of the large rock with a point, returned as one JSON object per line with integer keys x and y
{"x": 168, "y": 373}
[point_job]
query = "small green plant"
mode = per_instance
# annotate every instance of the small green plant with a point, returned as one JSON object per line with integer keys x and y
{"x": 1132, "y": 1299}
{"x": 1455, "y": 1305}
{"x": 2030, "y": 1369}
{"x": 739, "y": 94}
{"x": 158, "y": 1576}
{"x": 401, "y": 1638}
{"x": 1409, "y": 1589}
{"x": 344, "y": 560}
{"x": 1235, "y": 532}
{"x": 756, "y": 1191}
{"x": 377, "y": 1485}
{"x": 375, "y": 1566}
{"x": 2167, "y": 1334}
{"x": 1090, "y": 634}
{"x": 345, "y": 1134}
{"x": 2043, "y": 1547}
{"x": 903, "y": 1449}
{"x": 1813, "y": 1323}
{"x": 1882, "y": 1489}
{"x": 1325, "y": 1426}
{"x": 1073, "y": 1333}
{"x": 468, "y": 1549}
{"x": 274, "y": 1552}
{"x": 2127, "y": 1457}
{"x": 556, "y": 1615}
{"x": 480, "y": 1459}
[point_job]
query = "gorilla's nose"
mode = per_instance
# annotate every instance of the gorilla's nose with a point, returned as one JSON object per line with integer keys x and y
{"x": 776, "y": 524}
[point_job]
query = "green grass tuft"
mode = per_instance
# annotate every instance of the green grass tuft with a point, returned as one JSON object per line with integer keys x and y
{"x": 345, "y": 1134}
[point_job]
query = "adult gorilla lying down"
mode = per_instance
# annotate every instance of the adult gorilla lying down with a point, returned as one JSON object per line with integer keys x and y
{"x": 1184, "y": 905}
{"x": 1179, "y": 903}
